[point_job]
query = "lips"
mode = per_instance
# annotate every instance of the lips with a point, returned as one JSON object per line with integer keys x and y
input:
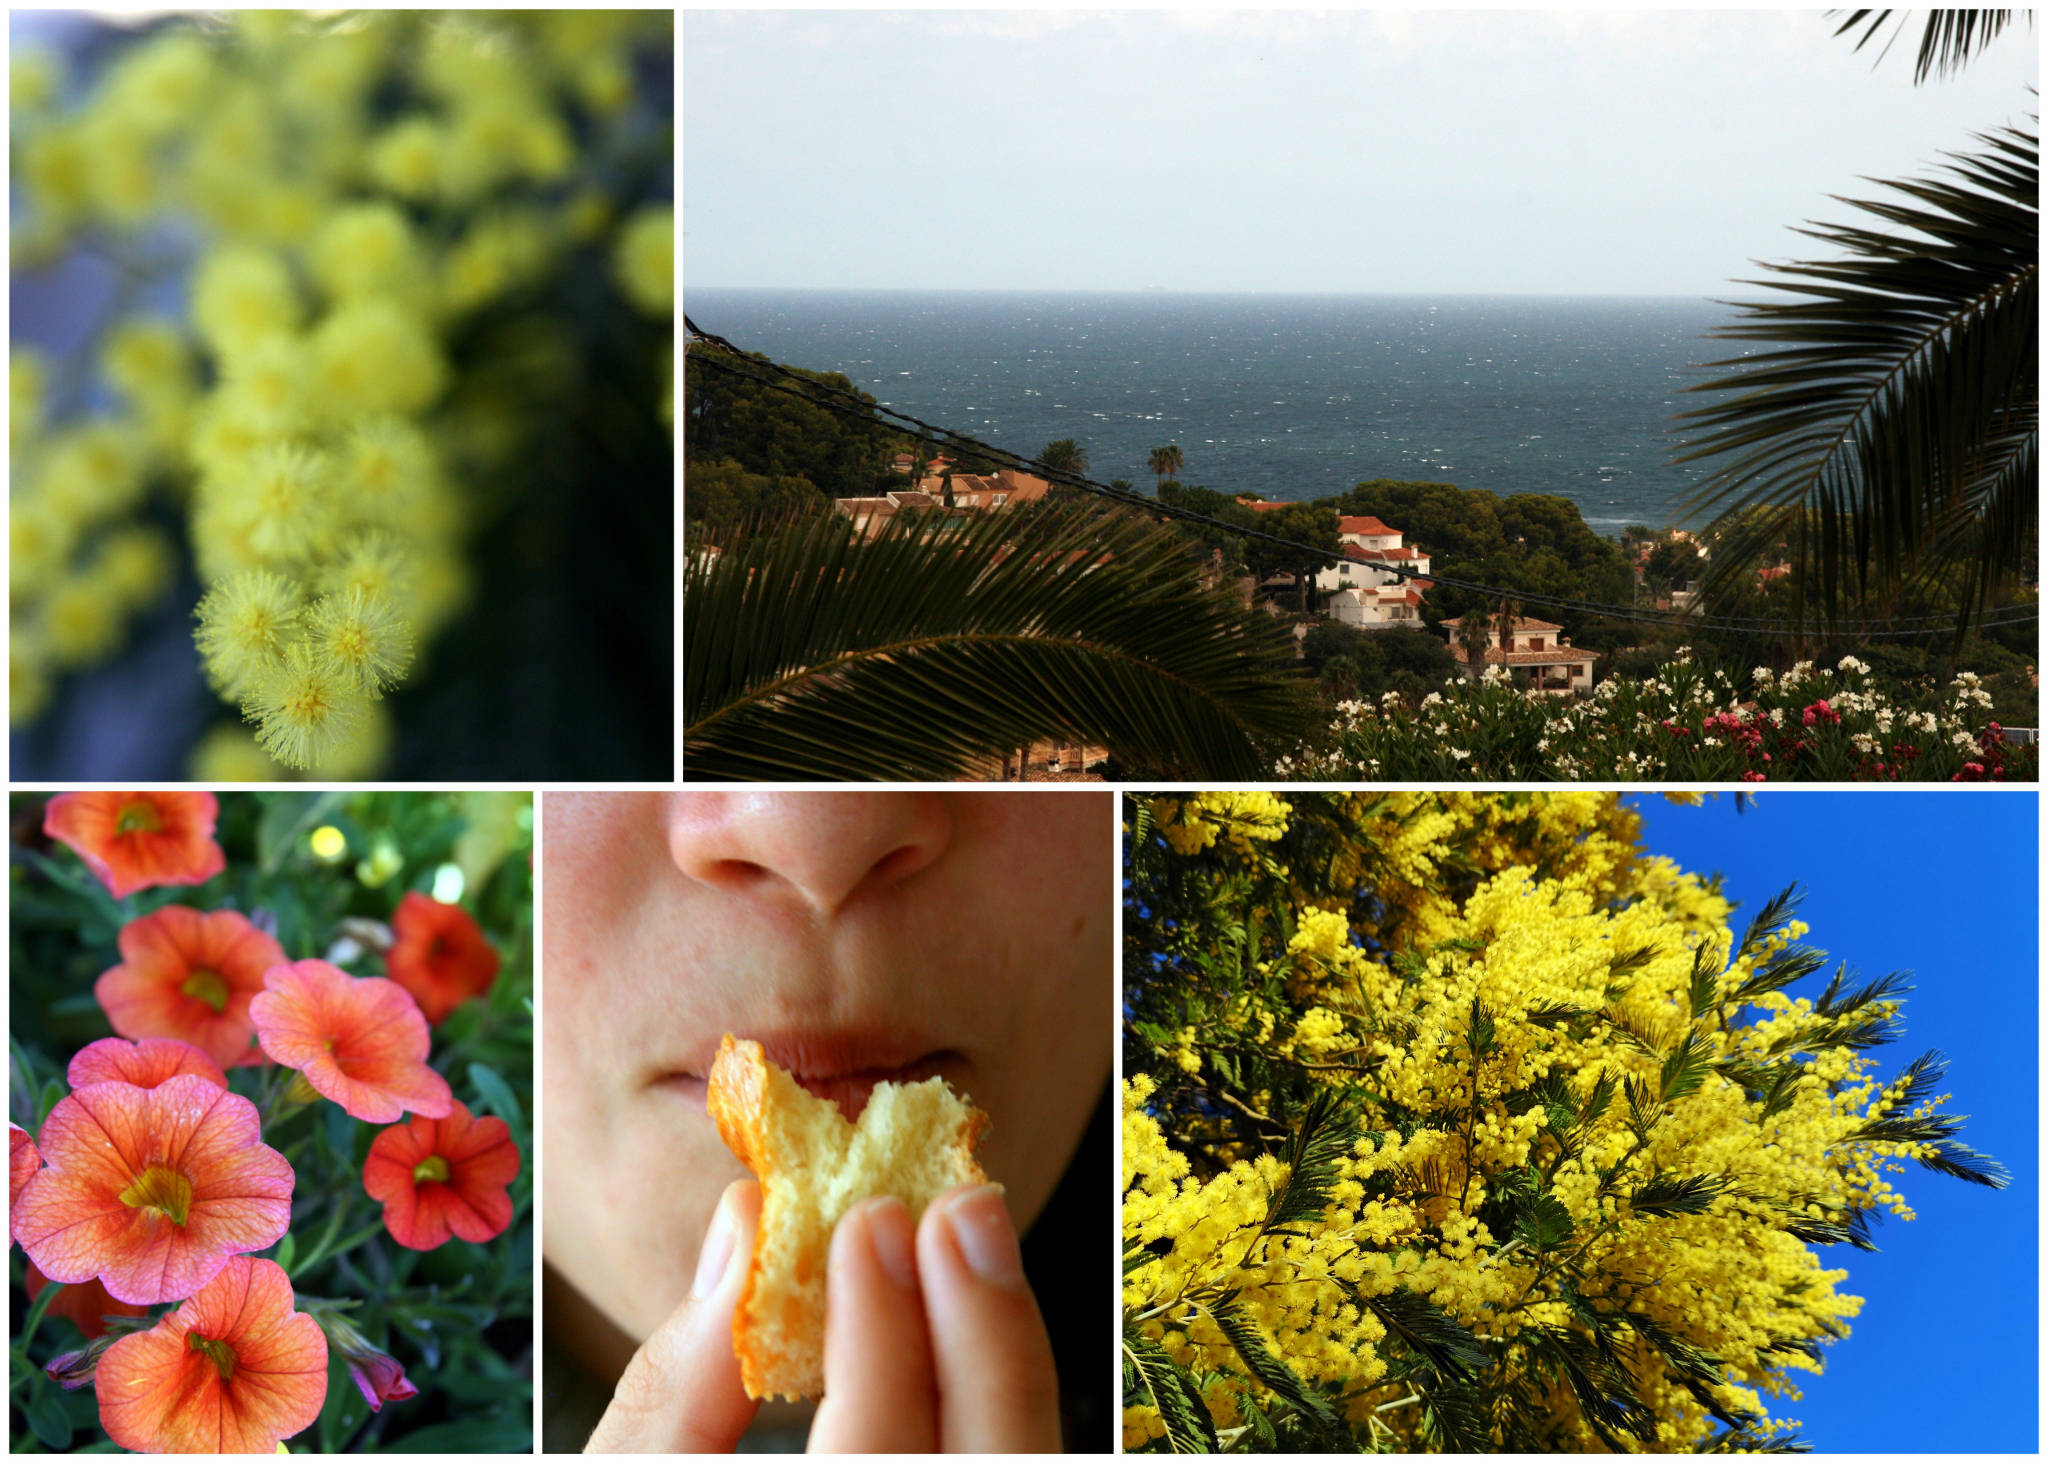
{"x": 843, "y": 1066}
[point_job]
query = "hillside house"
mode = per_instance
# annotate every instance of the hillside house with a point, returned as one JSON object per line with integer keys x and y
{"x": 971, "y": 493}
{"x": 1363, "y": 589}
{"x": 1536, "y": 657}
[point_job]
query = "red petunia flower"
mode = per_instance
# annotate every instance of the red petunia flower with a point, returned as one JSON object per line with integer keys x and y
{"x": 442, "y": 1179}
{"x": 440, "y": 955}
{"x": 362, "y": 1043}
{"x": 134, "y": 840}
{"x": 150, "y": 1062}
{"x": 152, "y": 1189}
{"x": 233, "y": 1370}
{"x": 190, "y": 976}
{"x": 84, "y": 1303}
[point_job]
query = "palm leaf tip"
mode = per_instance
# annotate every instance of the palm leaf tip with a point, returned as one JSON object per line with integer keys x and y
{"x": 812, "y": 653}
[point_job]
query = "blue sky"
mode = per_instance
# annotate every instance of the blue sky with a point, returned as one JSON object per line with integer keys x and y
{"x": 1553, "y": 152}
{"x": 1945, "y": 1356}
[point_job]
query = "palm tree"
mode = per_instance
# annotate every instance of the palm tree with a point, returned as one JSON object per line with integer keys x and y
{"x": 1166, "y": 462}
{"x": 1065, "y": 455}
{"x": 810, "y": 653}
{"x": 1892, "y": 435}
{"x": 1474, "y": 631}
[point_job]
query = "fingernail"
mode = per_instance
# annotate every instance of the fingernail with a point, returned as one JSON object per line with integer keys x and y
{"x": 893, "y": 1239}
{"x": 717, "y": 1252}
{"x": 981, "y": 1228}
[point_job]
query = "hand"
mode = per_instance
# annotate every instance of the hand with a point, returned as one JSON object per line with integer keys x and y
{"x": 932, "y": 1340}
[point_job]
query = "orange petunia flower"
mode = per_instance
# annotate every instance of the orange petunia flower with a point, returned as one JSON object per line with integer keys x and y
{"x": 442, "y": 1179}
{"x": 190, "y": 976}
{"x": 150, "y": 1062}
{"x": 85, "y": 1303}
{"x": 362, "y": 1043}
{"x": 233, "y": 1370}
{"x": 152, "y": 1189}
{"x": 440, "y": 955}
{"x": 22, "y": 1163}
{"x": 134, "y": 840}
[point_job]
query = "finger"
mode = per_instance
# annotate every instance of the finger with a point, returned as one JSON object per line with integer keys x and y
{"x": 681, "y": 1392}
{"x": 997, "y": 1389}
{"x": 880, "y": 1394}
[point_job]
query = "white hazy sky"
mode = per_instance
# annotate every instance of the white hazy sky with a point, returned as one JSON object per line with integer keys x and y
{"x": 1525, "y": 151}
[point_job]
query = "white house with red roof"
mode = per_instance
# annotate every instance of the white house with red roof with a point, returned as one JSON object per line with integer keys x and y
{"x": 1536, "y": 656}
{"x": 1363, "y": 589}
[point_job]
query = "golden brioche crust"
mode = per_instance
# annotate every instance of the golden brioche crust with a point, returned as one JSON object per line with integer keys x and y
{"x": 740, "y": 1094}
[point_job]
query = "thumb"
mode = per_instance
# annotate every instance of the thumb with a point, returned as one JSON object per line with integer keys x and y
{"x": 681, "y": 1393}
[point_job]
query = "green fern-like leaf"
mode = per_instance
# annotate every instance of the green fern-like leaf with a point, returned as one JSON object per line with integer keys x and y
{"x": 1153, "y": 1378}
{"x": 1259, "y": 1360}
{"x": 1321, "y": 1141}
{"x": 1664, "y": 1195}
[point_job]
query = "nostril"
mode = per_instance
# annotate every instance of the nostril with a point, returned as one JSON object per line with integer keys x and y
{"x": 734, "y": 875}
{"x": 894, "y": 866}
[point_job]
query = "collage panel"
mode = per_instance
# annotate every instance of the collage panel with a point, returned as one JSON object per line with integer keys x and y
{"x": 341, "y": 431}
{"x": 270, "y": 1141}
{"x": 813, "y": 1063}
{"x": 1579, "y": 1122}
{"x": 1482, "y": 448}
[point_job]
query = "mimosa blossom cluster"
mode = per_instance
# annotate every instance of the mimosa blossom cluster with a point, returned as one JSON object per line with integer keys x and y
{"x": 368, "y": 191}
{"x": 1592, "y": 1140}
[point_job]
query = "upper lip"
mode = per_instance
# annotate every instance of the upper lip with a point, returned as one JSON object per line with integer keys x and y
{"x": 824, "y": 1053}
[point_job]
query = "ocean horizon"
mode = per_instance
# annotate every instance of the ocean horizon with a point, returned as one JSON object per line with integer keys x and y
{"x": 1289, "y": 396}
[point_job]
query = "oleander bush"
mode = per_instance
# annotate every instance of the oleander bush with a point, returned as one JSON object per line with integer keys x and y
{"x": 1687, "y": 723}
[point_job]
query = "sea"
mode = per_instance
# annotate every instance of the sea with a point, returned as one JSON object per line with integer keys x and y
{"x": 1288, "y": 397}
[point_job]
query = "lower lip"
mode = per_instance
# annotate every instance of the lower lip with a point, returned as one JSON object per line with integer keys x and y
{"x": 850, "y": 1090}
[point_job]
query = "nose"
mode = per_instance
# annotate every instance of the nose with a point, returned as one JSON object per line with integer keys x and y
{"x": 819, "y": 850}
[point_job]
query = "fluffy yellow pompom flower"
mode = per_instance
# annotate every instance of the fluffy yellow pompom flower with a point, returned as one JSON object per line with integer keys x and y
{"x": 646, "y": 260}
{"x": 242, "y": 295}
{"x": 362, "y": 637}
{"x": 33, "y": 78}
{"x": 230, "y": 754}
{"x": 81, "y": 622}
{"x": 147, "y": 357}
{"x": 40, "y": 540}
{"x": 28, "y": 676}
{"x": 161, "y": 83}
{"x": 245, "y": 623}
{"x": 305, "y": 710}
{"x": 405, "y": 159}
{"x": 268, "y": 386}
{"x": 135, "y": 565}
{"x": 365, "y": 249}
{"x": 374, "y": 561}
{"x": 279, "y": 497}
{"x": 371, "y": 357}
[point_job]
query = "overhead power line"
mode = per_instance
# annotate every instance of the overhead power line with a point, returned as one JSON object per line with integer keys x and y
{"x": 850, "y": 404}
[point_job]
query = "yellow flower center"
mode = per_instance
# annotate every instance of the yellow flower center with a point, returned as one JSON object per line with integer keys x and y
{"x": 162, "y": 1190}
{"x": 207, "y": 986}
{"x": 431, "y": 1169}
{"x": 219, "y": 1353}
{"x": 138, "y": 815}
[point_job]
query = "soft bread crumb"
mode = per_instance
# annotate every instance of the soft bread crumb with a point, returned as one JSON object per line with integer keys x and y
{"x": 914, "y": 1141}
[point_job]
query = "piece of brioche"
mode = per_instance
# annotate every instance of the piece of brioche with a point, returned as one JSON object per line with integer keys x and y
{"x": 914, "y": 1140}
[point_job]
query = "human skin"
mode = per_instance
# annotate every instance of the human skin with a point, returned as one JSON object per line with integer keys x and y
{"x": 964, "y": 933}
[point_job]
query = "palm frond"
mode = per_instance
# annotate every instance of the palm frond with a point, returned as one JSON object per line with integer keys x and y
{"x": 1890, "y": 432}
{"x": 1948, "y": 41}
{"x": 813, "y": 653}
